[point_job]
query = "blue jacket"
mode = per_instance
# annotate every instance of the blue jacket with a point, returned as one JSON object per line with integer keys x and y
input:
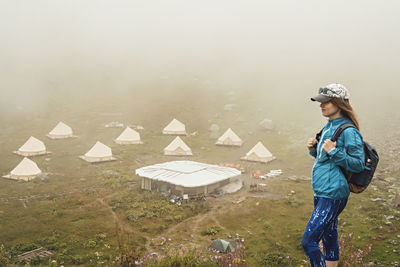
{"x": 327, "y": 179}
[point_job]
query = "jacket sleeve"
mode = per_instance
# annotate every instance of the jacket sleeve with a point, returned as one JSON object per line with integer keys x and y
{"x": 352, "y": 156}
{"x": 313, "y": 153}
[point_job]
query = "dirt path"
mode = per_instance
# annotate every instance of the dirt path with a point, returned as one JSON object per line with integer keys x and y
{"x": 196, "y": 223}
{"x": 124, "y": 227}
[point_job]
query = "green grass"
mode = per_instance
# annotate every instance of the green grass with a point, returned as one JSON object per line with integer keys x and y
{"x": 71, "y": 210}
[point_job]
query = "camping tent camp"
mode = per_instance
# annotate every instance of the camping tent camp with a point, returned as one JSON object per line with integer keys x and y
{"x": 175, "y": 127}
{"x": 177, "y": 148}
{"x": 32, "y": 147}
{"x": 221, "y": 245}
{"x": 98, "y": 153}
{"x": 128, "y": 136}
{"x": 259, "y": 153}
{"x": 25, "y": 170}
{"x": 266, "y": 124}
{"x": 60, "y": 131}
{"x": 229, "y": 138}
{"x": 186, "y": 177}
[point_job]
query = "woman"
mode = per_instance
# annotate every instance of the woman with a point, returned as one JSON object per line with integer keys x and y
{"x": 328, "y": 181}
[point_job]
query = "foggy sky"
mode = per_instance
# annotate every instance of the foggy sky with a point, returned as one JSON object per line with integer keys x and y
{"x": 280, "y": 48}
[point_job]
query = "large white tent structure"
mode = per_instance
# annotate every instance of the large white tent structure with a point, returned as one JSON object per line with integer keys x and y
{"x": 185, "y": 177}
{"x": 175, "y": 127}
{"x": 32, "y": 147}
{"x": 25, "y": 170}
{"x": 128, "y": 136}
{"x": 60, "y": 131}
{"x": 177, "y": 148}
{"x": 229, "y": 138}
{"x": 98, "y": 153}
{"x": 259, "y": 153}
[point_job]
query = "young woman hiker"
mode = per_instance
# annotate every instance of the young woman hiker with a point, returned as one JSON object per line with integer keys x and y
{"x": 329, "y": 184}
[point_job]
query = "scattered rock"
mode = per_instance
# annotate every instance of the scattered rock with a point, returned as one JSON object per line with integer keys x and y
{"x": 389, "y": 217}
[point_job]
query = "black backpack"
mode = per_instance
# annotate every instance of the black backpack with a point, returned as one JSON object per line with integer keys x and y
{"x": 358, "y": 182}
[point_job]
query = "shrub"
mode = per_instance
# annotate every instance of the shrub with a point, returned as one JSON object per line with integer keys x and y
{"x": 275, "y": 259}
{"x": 4, "y": 257}
{"x": 267, "y": 225}
{"x": 90, "y": 244}
{"x": 211, "y": 231}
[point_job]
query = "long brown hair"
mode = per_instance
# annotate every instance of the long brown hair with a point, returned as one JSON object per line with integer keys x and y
{"x": 346, "y": 109}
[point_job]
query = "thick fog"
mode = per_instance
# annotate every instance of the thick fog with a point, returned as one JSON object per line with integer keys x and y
{"x": 280, "y": 50}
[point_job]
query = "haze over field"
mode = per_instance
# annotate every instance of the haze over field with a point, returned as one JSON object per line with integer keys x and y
{"x": 280, "y": 52}
{"x": 210, "y": 64}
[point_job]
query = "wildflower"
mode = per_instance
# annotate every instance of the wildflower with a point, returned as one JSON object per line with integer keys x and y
{"x": 205, "y": 259}
{"x": 236, "y": 260}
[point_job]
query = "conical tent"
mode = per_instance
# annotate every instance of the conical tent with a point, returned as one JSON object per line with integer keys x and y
{"x": 128, "y": 136}
{"x": 60, "y": 131}
{"x": 32, "y": 147}
{"x": 98, "y": 153}
{"x": 259, "y": 153}
{"x": 221, "y": 245}
{"x": 25, "y": 170}
{"x": 177, "y": 148}
{"x": 229, "y": 138}
{"x": 175, "y": 127}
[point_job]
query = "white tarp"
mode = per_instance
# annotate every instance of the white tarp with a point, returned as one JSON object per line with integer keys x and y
{"x": 25, "y": 170}
{"x": 32, "y": 147}
{"x": 187, "y": 173}
{"x": 175, "y": 127}
{"x": 229, "y": 138}
{"x": 259, "y": 153}
{"x": 128, "y": 136}
{"x": 61, "y": 131}
{"x": 177, "y": 148}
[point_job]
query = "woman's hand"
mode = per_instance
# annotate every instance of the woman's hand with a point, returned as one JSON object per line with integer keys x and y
{"x": 328, "y": 145}
{"x": 310, "y": 144}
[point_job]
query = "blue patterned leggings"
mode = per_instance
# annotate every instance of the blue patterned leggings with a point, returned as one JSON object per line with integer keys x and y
{"x": 323, "y": 226}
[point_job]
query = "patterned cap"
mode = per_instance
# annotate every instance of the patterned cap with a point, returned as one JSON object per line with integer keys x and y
{"x": 331, "y": 90}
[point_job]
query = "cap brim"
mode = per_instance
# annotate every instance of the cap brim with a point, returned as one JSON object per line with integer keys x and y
{"x": 321, "y": 98}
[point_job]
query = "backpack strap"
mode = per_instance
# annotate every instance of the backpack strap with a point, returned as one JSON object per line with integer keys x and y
{"x": 318, "y": 135}
{"x": 334, "y": 138}
{"x": 340, "y": 129}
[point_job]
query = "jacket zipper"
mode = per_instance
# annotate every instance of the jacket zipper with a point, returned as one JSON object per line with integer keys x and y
{"x": 322, "y": 136}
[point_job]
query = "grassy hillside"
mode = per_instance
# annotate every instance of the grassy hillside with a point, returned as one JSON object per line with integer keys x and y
{"x": 75, "y": 209}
